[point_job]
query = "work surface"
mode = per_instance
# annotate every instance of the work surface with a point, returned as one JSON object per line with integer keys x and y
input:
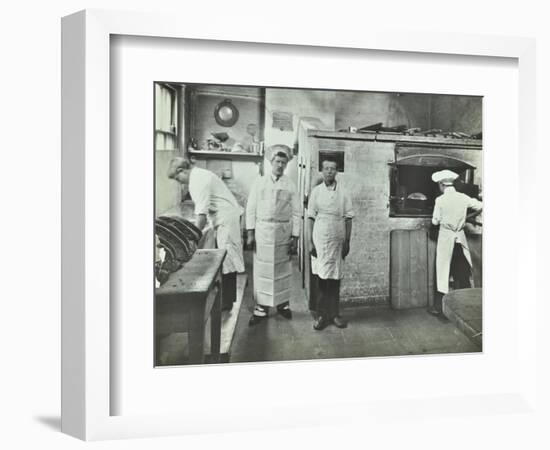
{"x": 185, "y": 302}
{"x": 195, "y": 276}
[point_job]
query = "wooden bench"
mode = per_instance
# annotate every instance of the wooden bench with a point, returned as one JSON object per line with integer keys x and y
{"x": 187, "y": 300}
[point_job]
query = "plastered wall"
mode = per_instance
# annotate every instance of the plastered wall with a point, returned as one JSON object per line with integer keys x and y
{"x": 359, "y": 109}
{"x": 167, "y": 191}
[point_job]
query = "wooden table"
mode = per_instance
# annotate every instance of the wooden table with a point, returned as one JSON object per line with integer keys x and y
{"x": 187, "y": 299}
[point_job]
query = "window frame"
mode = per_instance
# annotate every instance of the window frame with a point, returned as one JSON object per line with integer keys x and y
{"x": 173, "y": 132}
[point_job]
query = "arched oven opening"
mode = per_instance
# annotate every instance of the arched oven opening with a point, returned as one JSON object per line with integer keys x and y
{"x": 412, "y": 191}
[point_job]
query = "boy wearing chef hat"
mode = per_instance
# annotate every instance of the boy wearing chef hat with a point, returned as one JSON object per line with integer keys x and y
{"x": 445, "y": 177}
{"x": 450, "y": 213}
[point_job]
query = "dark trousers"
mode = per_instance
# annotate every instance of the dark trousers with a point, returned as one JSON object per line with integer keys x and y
{"x": 328, "y": 300}
{"x": 460, "y": 270}
{"x": 229, "y": 286}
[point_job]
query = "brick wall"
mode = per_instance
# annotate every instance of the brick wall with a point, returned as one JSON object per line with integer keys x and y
{"x": 366, "y": 177}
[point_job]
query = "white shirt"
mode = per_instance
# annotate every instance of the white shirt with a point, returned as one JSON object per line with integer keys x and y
{"x": 271, "y": 182}
{"x": 330, "y": 201}
{"x": 211, "y": 196}
{"x": 451, "y": 208}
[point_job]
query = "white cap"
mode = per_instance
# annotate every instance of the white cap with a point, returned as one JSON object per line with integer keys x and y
{"x": 444, "y": 176}
{"x": 274, "y": 149}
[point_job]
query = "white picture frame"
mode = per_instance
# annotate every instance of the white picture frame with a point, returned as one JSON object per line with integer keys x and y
{"x": 86, "y": 246}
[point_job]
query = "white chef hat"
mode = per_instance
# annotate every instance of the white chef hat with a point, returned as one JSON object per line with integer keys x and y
{"x": 444, "y": 176}
{"x": 276, "y": 149}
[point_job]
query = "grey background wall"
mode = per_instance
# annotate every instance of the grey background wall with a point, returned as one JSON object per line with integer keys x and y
{"x": 167, "y": 192}
{"x": 334, "y": 110}
{"x": 203, "y": 104}
{"x": 457, "y": 113}
{"x": 300, "y": 103}
{"x": 359, "y": 109}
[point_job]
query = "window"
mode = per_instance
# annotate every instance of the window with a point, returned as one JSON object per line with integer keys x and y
{"x": 337, "y": 156}
{"x": 165, "y": 117}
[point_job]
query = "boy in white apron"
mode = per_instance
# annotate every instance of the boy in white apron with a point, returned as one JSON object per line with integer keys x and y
{"x": 330, "y": 213}
{"x": 273, "y": 227}
{"x": 214, "y": 202}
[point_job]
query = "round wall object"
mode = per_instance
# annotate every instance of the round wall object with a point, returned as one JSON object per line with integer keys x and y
{"x": 226, "y": 113}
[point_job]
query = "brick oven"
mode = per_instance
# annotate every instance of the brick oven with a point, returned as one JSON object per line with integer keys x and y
{"x": 389, "y": 178}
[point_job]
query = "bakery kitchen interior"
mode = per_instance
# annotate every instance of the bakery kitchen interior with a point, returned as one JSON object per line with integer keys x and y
{"x": 299, "y": 224}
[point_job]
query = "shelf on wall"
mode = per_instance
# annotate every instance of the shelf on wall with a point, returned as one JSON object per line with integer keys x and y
{"x": 205, "y": 154}
{"x": 439, "y": 141}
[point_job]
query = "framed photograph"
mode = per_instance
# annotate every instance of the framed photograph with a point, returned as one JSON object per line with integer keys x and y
{"x": 247, "y": 216}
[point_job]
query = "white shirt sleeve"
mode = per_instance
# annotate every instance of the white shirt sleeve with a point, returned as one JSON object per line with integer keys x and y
{"x": 474, "y": 204}
{"x": 348, "y": 207}
{"x": 251, "y": 206}
{"x": 312, "y": 208}
{"x": 436, "y": 218}
{"x": 199, "y": 189}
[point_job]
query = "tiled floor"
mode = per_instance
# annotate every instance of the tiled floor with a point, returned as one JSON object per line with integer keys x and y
{"x": 371, "y": 332}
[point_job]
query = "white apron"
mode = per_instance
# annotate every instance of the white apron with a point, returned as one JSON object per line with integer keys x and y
{"x": 272, "y": 266}
{"x": 444, "y": 253}
{"x": 228, "y": 237}
{"x": 329, "y": 233}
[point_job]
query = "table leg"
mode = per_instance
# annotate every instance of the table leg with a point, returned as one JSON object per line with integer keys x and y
{"x": 196, "y": 335}
{"x": 216, "y": 325}
{"x": 156, "y": 357}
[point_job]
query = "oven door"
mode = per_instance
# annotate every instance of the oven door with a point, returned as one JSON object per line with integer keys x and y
{"x": 412, "y": 191}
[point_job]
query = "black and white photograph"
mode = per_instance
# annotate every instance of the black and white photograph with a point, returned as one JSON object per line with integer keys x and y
{"x": 246, "y": 225}
{"x": 295, "y": 224}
